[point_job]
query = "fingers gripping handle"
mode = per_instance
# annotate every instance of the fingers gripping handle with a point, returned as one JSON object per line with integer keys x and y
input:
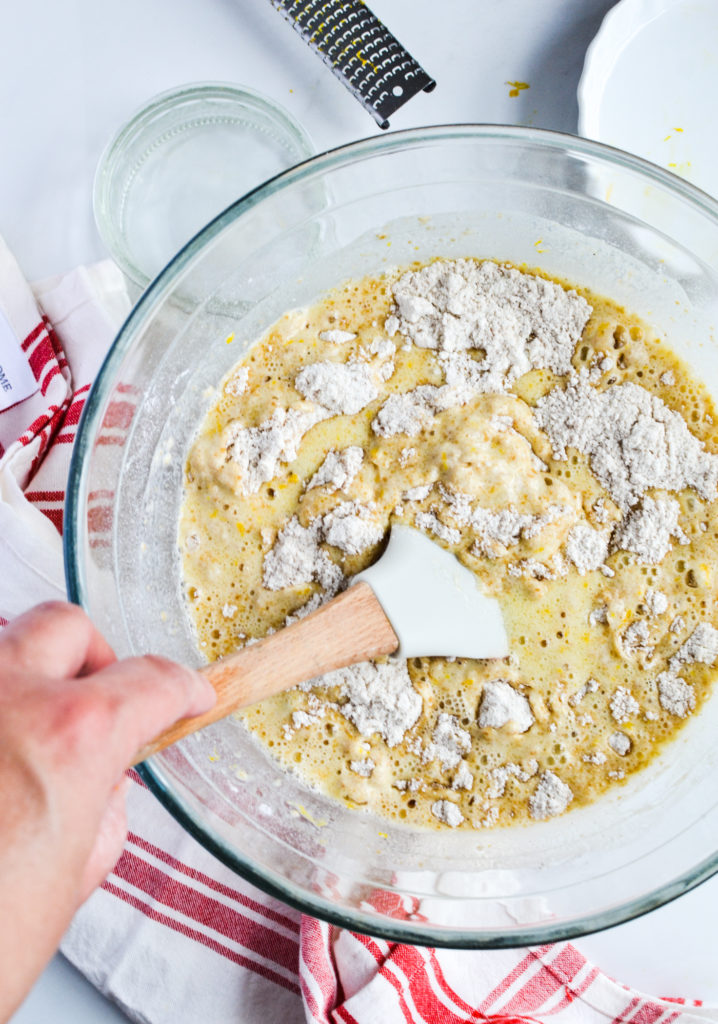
{"x": 351, "y": 628}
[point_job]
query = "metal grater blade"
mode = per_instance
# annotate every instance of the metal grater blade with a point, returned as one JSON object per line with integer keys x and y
{"x": 361, "y": 52}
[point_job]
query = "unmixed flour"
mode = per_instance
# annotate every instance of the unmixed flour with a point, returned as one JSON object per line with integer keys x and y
{"x": 647, "y": 531}
{"x": 508, "y": 527}
{"x": 501, "y": 705}
{"x": 463, "y": 779}
{"x": 701, "y": 646}
{"x": 590, "y": 686}
{"x": 407, "y": 413}
{"x": 596, "y": 757}
{"x": 620, "y": 743}
{"x": 635, "y": 639}
{"x": 421, "y": 741}
{"x": 417, "y": 493}
{"x": 352, "y": 527}
{"x": 551, "y": 797}
{"x": 449, "y": 742}
{"x": 430, "y": 523}
{"x": 587, "y": 548}
{"x": 376, "y": 698}
{"x": 533, "y": 569}
{"x": 520, "y": 322}
{"x": 297, "y": 558}
{"x": 336, "y": 336}
{"x": 338, "y": 469}
{"x": 634, "y": 442}
{"x": 656, "y": 602}
{"x": 501, "y": 775}
{"x": 447, "y": 812}
{"x": 623, "y": 705}
{"x": 342, "y": 388}
{"x": 498, "y": 531}
{"x": 258, "y": 452}
{"x": 675, "y": 694}
{"x": 237, "y": 382}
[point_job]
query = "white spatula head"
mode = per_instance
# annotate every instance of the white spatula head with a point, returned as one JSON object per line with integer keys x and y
{"x": 434, "y": 603}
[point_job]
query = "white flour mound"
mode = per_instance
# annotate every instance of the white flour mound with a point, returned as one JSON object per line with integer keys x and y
{"x": 590, "y": 686}
{"x": 633, "y": 440}
{"x": 296, "y": 559}
{"x": 380, "y": 698}
{"x": 338, "y": 469}
{"x": 596, "y": 757}
{"x": 675, "y": 694}
{"x": 446, "y": 812}
{"x": 498, "y": 531}
{"x": 551, "y": 797}
{"x": 501, "y": 705}
{"x": 701, "y": 646}
{"x": 533, "y": 569}
{"x": 587, "y": 548}
{"x": 351, "y": 527}
{"x": 463, "y": 778}
{"x": 448, "y": 742}
{"x": 519, "y": 321}
{"x": 237, "y": 383}
{"x": 429, "y": 522}
{"x": 623, "y": 705}
{"x": 656, "y": 602}
{"x": 620, "y": 743}
{"x": 635, "y": 639}
{"x": 342, "y": 388}
{"x": 408, "y": 413}
{"x": 417, "y": 493}
{"x": 648, "y": 530}
{"x": 508, "y": 527}
{"x": 501, "y": 775}
{"x": 335, "y": 336}
{"x": 259, "y": 451}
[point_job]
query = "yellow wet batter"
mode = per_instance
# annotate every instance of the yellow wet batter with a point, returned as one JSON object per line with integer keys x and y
{"x": 533, "y": 462}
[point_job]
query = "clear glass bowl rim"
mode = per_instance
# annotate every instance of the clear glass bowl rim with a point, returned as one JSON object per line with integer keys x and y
{"x": 269, "y": 881}
{"x": 113, "y": 153}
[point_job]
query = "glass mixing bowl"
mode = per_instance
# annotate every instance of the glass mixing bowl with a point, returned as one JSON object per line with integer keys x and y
{"x": 579, "y": 210}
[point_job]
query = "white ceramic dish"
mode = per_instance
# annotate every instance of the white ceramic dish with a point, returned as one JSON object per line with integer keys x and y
{"x": 649, "y": 85}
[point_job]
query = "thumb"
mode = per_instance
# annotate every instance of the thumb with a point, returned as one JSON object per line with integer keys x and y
{"x": 147, "y": 695}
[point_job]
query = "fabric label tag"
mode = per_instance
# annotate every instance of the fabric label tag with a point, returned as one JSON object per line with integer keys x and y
{"x": 17, "y": 381}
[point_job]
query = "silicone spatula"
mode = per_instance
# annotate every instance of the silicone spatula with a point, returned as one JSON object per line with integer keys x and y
{"x": 416, "y": 600}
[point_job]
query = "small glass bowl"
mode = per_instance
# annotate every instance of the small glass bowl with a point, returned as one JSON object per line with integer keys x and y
{"x": 181, "y": 160}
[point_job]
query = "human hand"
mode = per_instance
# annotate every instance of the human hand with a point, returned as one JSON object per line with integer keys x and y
{"x": 72, "y": 718}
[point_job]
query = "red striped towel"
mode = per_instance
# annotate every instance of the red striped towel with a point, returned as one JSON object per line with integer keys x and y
{"x": 172, "y": 935}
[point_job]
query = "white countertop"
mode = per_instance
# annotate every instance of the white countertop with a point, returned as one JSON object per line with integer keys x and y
{"x": 72, "y": 72}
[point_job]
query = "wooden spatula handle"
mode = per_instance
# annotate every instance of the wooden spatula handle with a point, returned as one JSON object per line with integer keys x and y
{"x": 351, "y": 628}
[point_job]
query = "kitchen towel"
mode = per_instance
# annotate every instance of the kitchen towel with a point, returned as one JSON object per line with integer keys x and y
{"x": 172, "y": 935}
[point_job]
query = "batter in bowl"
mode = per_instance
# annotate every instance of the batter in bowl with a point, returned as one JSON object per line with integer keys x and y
{"x": 542, "y": 434}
